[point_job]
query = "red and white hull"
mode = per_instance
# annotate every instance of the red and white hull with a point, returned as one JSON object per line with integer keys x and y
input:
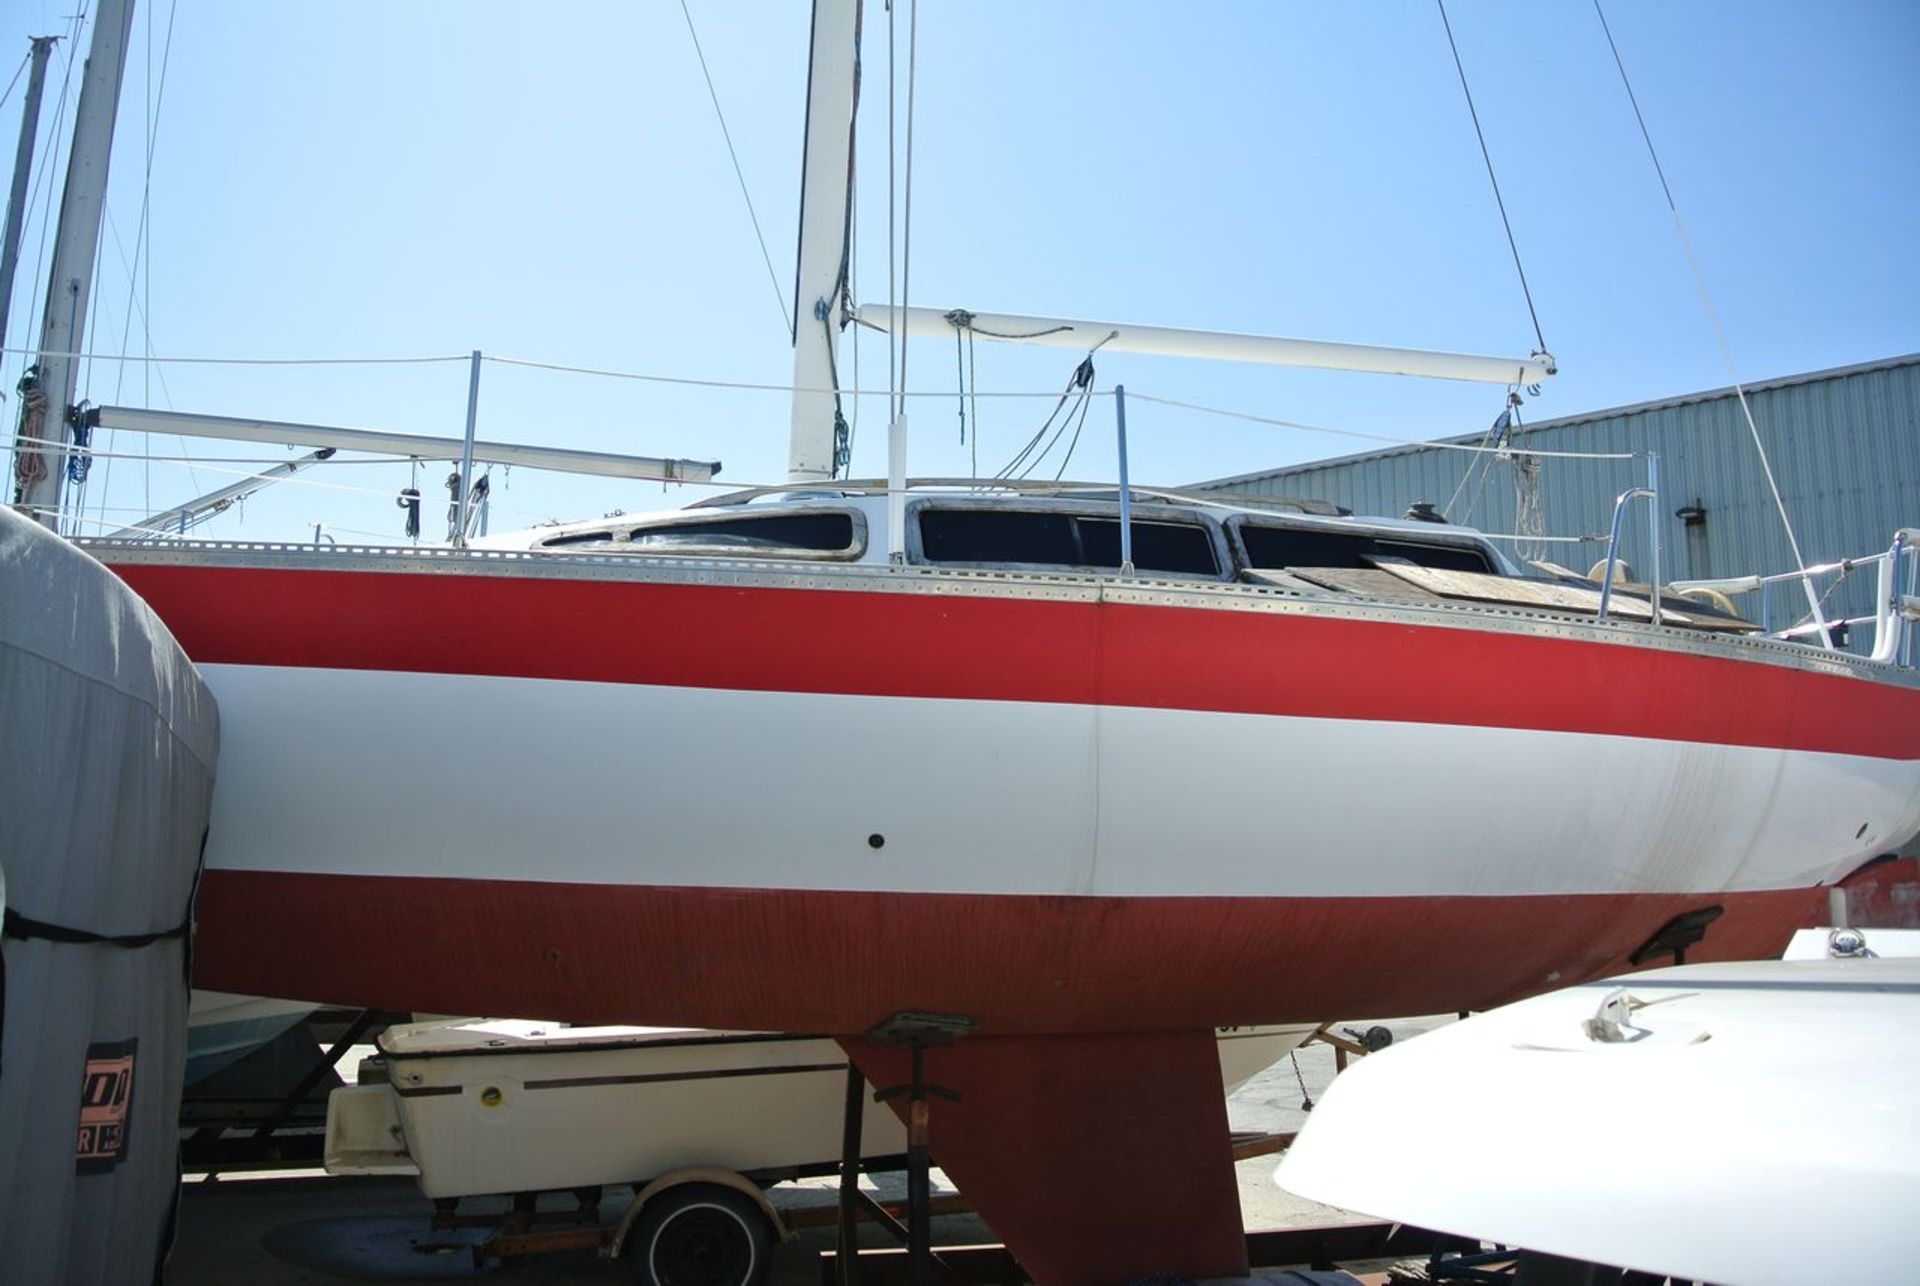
{"x": 647, "y": 795}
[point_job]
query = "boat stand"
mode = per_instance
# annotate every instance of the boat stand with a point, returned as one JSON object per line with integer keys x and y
{"x": 918, "y": 1032}
{"x": 209, "y": 1149}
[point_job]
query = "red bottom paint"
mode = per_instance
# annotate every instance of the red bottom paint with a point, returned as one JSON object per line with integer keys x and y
{"x": 1091, "y": 1134}
{"x": 1883, "y": 895}
{"x": 838, "y": 963}
{"x": 1097, "y": 1159}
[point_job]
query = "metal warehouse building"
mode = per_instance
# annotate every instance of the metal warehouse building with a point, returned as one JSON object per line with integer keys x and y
{"x": 1845, "y": 449}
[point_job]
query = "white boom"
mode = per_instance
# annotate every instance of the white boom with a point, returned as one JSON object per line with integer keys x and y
{"x": 407, "y": 445}
{"x": 1163, "y": 341}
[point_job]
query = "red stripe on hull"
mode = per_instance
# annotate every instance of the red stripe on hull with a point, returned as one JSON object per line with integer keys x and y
{"x": 785, "y": 960}
{"x": 990, "y": 648}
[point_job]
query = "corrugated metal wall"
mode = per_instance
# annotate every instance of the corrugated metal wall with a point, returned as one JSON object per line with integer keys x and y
{"x": 1845, "y": 447}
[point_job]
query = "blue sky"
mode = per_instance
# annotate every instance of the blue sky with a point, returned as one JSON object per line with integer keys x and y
{"x": 373, "y": 181}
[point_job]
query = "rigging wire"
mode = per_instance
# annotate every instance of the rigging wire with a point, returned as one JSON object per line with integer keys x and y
{"x": 141, "y": 292}
{"x": 842, "y": 434}
{"x": 1425, "y": 444}
{"x": 973, "y": 405}
{"x": 906, "y": 218}
{"x": 152, "y": 368}
{"x": 17, "y": 73}
{"x": 1078, "y": 393}
{"x": 1487, "y": 156}
{"x": 1719, "y": 333}
{"x": 893, "y": 202}
{"x": 960, "y": 380}
{"x": 1073, "y": 442}
{"x": 850, "y": 252}
{"x": 1475, "y": 463}
{"x": 786, "y": 315}
{"x": 84, "y": 355}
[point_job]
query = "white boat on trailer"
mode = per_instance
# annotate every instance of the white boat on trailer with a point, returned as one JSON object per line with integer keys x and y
{"x": 484, "y": 1106}
{"x": 697, "y": 1122}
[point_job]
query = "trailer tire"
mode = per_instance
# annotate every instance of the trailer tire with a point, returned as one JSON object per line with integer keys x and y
{"x": 701, "y": 1234}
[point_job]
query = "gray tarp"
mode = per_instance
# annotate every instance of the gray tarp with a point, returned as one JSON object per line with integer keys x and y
{"x": 107, "y": 746}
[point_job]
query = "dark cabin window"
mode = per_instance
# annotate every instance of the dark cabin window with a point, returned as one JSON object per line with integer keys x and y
{"x": 998, "y": 536}
{"x": 816, "y": 532}
{"x": 1444, "y": 558}
{"x": 1039, "y": 538}
{"x": 1314, "y": 547}
{"x": 774, "y": 533}
{"x": 1183, "y": 548}
{"x": 580, "y": 540}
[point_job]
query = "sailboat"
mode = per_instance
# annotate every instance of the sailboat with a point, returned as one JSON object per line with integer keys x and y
{"x": 1086, "y": 771}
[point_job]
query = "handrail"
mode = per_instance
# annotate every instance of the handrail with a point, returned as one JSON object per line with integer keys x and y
{"x": 1747, "y": 584}
{"x": 1620, "y": 504}
{"x": 1895, "y": 607}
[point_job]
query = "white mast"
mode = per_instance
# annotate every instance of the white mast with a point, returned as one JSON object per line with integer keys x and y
{"x": 824, "y": 187}
{"x": 38, "y": 469}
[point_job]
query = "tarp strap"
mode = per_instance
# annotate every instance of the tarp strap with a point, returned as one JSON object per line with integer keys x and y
{"x": 25, "y": 926}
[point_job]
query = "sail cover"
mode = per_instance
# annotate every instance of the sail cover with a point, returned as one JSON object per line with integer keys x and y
{"x": 106, "y": 777}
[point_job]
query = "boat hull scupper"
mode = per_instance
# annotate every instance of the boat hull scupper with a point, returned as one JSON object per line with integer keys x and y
{"x": 802, "y": 800}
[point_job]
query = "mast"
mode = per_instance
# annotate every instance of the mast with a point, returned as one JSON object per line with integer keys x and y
{"x": 38, "y": 469}
{"x": 825, "y": 184}
{"x": 22, "y": 164}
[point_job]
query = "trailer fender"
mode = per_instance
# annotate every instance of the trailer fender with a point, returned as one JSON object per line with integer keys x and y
{"x": 694, "y": 1174}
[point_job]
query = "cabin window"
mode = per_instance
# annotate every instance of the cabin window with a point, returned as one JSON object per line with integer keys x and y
{"x": 998, "y": 536}
{"x": 1273, "y": 546}
{"x": 1183, "y": 548}
{"x": 826, "y": 533}
{"x": 580, "y": 540}
{"x": 1051, "y": 539}
{"x": 796, "y": 534}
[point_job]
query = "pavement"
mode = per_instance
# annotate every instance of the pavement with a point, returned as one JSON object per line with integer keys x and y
{"x": 287, "y": 1227}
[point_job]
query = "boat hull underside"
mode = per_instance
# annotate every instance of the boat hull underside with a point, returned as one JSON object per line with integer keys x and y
{"x": 798, "y": 960}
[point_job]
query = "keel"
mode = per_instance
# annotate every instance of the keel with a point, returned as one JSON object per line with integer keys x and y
{"x": 1099, "y": 1160}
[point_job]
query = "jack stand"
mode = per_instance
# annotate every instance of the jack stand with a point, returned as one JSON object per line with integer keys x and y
{"x": 918, "y": 1032}
{"x": 846, "y": 1262}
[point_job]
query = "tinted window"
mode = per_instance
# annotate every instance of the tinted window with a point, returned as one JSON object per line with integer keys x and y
{"x": 1182, "y": 547}
{"x": 998, "y": 536}
{"x": 1062, "y": 540}
{"x": 1446, "y": 558}
{"x": 818, "y": 532}
{"x": 773, "y": 533}
{"x": 1313, "y": 547}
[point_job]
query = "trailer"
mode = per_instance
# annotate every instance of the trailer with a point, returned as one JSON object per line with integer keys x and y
{"x": 697, "y": 1122}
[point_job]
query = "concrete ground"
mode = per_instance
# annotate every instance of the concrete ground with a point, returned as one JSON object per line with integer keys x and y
{"x": 306, "y": 1227}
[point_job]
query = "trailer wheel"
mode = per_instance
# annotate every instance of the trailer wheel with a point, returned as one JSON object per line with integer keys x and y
{"x": 700, "y": 1234}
